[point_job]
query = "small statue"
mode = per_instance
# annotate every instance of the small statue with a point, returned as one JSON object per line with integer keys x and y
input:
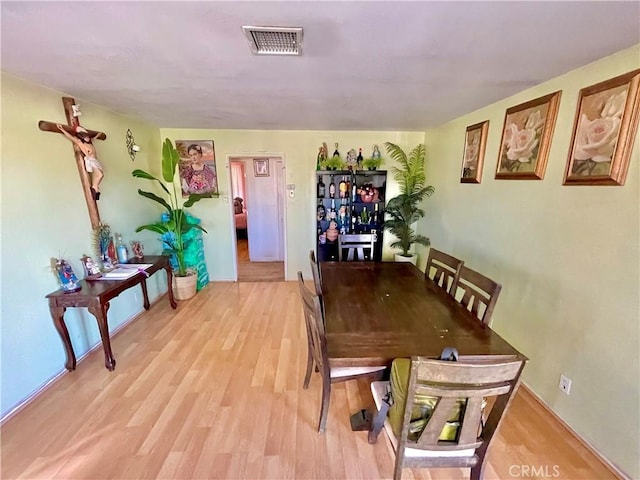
{"x": 323, "y": 154}
{"x": 351, "y": 158}
{"x": 376, "y": 152}
{"x": 91, "y": 269}
{"x": 67, "y": 278}
{"x": 137, "y": 249}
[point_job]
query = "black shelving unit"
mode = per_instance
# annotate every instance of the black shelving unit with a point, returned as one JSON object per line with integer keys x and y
{"x": 357, "y": 207}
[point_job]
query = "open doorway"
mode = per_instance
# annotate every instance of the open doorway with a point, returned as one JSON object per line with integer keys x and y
{"x": 257, "y": 188}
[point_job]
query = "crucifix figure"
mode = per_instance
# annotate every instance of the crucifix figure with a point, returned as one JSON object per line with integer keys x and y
{"x": 91, "y": 164}
{"x": 89, "y": 168}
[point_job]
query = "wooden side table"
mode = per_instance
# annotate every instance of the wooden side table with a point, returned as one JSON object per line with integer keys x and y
{"x": 95, "y": 295}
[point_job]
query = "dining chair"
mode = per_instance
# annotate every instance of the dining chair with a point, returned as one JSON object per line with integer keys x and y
{"x": 453, "y": 431}
{"x": 315, "y": 272}
{"x": 356, "y": 243}
{"x": 480, "y": 294}
{"x": 444, "y": 268}
{"x": 317, "y": 353}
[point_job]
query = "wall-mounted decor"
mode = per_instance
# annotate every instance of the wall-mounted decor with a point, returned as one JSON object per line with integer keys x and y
{"x": 473, "y": 157}
{"x": 603, "y": 132}
{"x": 132, "y": 148}
{"x": 526, "y": 138}
{"x": 197, "y": 166}
{"x": 261, "y": 167}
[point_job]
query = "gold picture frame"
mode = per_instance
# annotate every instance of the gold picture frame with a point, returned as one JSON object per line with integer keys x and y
{"x": 475, "y": 142}
{"x": 526, "y": 138}
{"x": 603, "y": 132}
{"x": 261, "y": 167}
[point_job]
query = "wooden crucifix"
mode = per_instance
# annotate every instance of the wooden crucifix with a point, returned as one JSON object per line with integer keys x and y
{"x": 86, "y": 158}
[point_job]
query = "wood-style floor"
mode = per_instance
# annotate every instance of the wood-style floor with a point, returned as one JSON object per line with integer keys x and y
{"x": 214, "y": 390}
{"x": 249, "y": 271}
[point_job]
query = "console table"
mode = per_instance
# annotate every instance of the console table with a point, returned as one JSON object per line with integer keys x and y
{"x": 95, "y": 295}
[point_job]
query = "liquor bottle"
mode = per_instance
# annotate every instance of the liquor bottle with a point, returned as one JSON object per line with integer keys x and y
{"x": 342, "y": 187}
{"x": 336, "y": 153}
{"x": 353, "y": 192}
{"x": 332, "y": 188}
{"x": 321, "y": 188}
{"x": 332, "y": 214}
{"x": 375, "y": 214}
{"x": 359, "y": 159}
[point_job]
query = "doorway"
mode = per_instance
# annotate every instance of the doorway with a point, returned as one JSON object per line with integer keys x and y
{"x": 257, "y": 193}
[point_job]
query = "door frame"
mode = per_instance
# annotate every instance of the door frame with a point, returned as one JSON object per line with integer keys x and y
{"x": 283, "y": 201}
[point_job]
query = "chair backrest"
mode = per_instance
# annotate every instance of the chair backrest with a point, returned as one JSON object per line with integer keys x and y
{"x": 356, "y": 242}
{"x": 314, "y": 322}
{"x": 473, "y": 381}
{"x": 315, "y": 271}
{"x": 480, "y": 293}
{"x": 443, "y": 269}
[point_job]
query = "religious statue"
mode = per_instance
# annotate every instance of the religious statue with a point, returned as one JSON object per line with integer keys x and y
{"x": 91, "y": 164}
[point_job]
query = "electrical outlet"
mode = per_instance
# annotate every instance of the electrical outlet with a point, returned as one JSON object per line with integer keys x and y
{"x": 565, "y": 384}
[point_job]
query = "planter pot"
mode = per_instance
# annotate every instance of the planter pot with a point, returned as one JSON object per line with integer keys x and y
{"x": 412, "y": 259}
{"x": 184, "y": 287}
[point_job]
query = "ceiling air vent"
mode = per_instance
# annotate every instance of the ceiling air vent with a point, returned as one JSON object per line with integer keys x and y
{"x": 274, "y": 40}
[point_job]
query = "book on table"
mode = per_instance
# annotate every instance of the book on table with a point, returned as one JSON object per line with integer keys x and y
{"x": 124, "y": 271}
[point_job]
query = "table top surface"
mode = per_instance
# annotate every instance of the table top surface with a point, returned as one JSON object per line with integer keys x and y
{"x": 378, "y": 311}
{"x": 98, "y": 288}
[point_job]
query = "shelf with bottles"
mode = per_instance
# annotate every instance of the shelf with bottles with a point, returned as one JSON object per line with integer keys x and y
{"x": 354, "y": 200}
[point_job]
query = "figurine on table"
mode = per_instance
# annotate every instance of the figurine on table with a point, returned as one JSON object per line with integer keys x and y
{"x": 91, "y": 269}
{"x": 68, "y": 279}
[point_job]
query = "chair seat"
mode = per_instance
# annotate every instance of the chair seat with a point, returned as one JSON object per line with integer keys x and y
{"x": 379, "y": 390}
{"x": 338, "y": 372}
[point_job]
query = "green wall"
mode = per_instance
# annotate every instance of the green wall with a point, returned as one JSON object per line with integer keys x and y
{"x": 568, "y": 259}
{"x": 299, "y": 149}
{"x": 44, "y": 215}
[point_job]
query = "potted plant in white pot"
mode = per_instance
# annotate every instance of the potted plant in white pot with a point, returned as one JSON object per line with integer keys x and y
{"x": 177, "y": 226}
{"x": 403, "y": 210}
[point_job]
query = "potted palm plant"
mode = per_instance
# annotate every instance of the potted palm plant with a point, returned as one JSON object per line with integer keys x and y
{"x": 403, "y": 210}
{"x": 175, "y": 225}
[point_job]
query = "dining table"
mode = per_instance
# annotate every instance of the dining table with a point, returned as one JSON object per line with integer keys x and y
{"x": 378, "y": 311}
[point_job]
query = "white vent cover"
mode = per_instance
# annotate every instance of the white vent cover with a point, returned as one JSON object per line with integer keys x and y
{"x": 274, "y": 40}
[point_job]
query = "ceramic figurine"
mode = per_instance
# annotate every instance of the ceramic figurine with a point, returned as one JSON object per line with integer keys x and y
{"x": 137, "y": 249}
{"x": 67, "y": 278}
{"x": 376, "y": 152}
{"x": 91, "y": 269}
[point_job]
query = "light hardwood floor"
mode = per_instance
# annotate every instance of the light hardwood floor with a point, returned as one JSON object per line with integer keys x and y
{"x": 249, "y": 271}
{"x": 214, "y": 390}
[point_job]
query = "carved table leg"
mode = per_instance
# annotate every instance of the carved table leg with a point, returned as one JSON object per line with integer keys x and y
{"x": 57, "y": 313}
{"x": 145, "y": 295}
{"x": 170, "y": 287}
{"x": 100, "y": 312}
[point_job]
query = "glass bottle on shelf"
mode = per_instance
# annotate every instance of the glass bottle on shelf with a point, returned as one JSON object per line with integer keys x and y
{"x": 321, "y": 188}
{"x": 375, "y": 214}
{"x": 332, "y": 214}
{"x": 359, "y": 159}
{"x": 332, "y": 188}
{"x": 353, "y": 192}
{"x": 342, "y": 188}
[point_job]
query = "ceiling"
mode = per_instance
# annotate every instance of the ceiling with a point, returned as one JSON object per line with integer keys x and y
{"x": 366, "y": 65}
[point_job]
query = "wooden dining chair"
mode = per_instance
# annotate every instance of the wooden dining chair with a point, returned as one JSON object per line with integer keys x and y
{"x": 315, "y": 272}
{"x": 453, "y": 432}
{"x": 356, "y": 243}
{"x": 443, "y": 269}
{"x": 477, "y": 293}
{"x": 317, "y": 353}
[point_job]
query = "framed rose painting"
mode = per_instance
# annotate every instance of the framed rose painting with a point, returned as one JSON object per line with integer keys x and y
{"x": 603, "y": 132}
{"x": 526, "y": 138}
{"x": 473, "y": 157}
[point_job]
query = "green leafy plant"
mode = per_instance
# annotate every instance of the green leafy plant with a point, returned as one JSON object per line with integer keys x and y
{"x": 372, "y": 163}
{"x": 333, "y": 163}
{"x": 404, "y": 209}
{"x": 177, "y": 226}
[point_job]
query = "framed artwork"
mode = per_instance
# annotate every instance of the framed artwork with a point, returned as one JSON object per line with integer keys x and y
{"x": 603, "y": 132}
{"x": 261, "y": 167}
{"x": 197, "y": 167}
{"x": 526, "y": 138}
{"x": 473, "y": 157}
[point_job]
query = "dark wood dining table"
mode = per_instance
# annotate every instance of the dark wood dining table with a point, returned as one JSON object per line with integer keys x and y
{"x": 378, "y": 311}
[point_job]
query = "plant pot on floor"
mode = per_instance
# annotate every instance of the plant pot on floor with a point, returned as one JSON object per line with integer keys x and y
{"x": 412, "y": 259}
{"x": 185, "y": 287}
